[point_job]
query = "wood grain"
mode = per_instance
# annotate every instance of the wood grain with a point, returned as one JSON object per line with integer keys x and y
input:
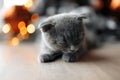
{"x": 20, "y": 63}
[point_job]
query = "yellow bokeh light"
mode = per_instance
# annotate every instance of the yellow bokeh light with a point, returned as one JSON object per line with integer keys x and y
{"x": 31, "y": 28}
{"x": 22, "y": 28}
{"x": 6, "y": 28}
{"x": 28, "y": 4}
{"x": 115, "y": 4}
{"x": 14, "y": 41}
{"x": 23, "y": 31}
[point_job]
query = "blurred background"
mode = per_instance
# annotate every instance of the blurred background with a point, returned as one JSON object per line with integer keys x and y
{"x": 19, "y": 33}
{"x": 19, "y": 19}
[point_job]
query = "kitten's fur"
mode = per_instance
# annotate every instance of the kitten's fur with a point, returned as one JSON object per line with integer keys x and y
{"x": 62, "y": 35}
{"x": 65, "y": 34}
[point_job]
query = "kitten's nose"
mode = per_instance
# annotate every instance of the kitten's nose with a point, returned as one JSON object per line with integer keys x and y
{"x": 72, "y": 48}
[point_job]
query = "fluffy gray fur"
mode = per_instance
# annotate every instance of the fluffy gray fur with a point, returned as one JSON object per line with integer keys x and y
{"x": 62, "y": 35}
{"x": 65, "y": 34}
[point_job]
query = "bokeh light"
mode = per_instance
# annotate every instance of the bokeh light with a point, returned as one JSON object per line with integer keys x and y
{"x": 34, "y": 17}
{"x": 14, "y": 41}
{"x": 6, "y": 28}
{"x": 97, "y": 4}
{"x": 28, "y": 4}
{"x": 10, "y": 11}
{"x": 22, "y": 28}
{"x": 31, "y": 28}
{"x": 23, "y": 31}
{"x": 115, "y": 4}
{"x": 21, "y": 24}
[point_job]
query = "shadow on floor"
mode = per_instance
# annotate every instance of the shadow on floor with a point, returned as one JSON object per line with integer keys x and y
{"x": 93, "y": 57}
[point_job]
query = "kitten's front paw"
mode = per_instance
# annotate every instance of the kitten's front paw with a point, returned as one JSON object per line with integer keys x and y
{"x": 69, "y": 57}
{"x": 46, "y": 58}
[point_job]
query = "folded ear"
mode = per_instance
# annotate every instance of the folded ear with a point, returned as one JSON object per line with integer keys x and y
{"x": 46, "y": 27}
{"x": 82, "y": 16}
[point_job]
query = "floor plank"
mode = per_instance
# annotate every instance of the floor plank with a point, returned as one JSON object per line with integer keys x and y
{"x": 20, "y": 63}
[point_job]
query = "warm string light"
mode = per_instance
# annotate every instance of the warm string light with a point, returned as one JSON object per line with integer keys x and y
{"x": 10, "y": 12}
{"x": 31, "y": 28}
{"x": 34, "y": 17}
{"x": 115, "y": 4}
{"x": 97, "y": 4}
{"x": 29, "y": 3}
{"x": 22, "y": 28}
{"x": 6, "y": 28}
{"x": 14, "y": 41}
{"x": 23, "y": 32}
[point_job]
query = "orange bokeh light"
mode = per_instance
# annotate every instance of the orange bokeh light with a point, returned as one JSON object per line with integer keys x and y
{"x": 34, "y": 17}
{"x": 115, "y": 4}
{"x": 21, "y": 24}
{"x": 10, "y": 12}
{"x": 14, "y": 41}
{"x": 22, "y": 28}
{"x": 97, "y": 4}
{"x": 23, "y": 31}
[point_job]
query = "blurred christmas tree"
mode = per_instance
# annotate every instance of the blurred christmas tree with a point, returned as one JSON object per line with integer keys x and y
{"x": 21, "y": 21}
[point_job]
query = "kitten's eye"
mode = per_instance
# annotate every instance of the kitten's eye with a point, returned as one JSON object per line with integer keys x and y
{"x": 60, "y": 43}
{"x": 63, "y": 44}
{"x": 77, "y": 42}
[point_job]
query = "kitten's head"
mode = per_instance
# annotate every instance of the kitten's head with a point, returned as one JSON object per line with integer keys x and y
{"x": 63, "y": 32}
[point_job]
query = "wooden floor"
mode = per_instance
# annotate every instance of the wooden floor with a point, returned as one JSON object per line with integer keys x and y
{"x": 20, "y": 63}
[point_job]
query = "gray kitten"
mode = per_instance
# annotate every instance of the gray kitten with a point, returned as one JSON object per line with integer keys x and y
{"x": 62, "y": 35}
